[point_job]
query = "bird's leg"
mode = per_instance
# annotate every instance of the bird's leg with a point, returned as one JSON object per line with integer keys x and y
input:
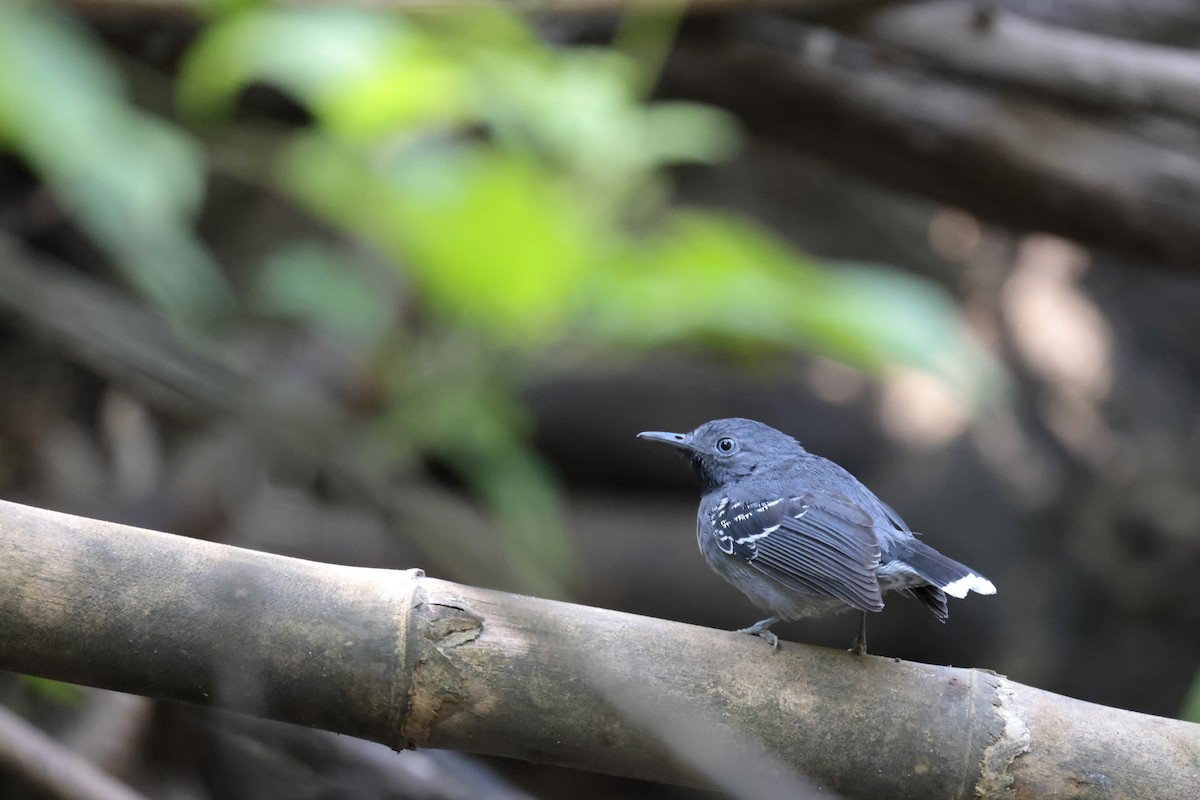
{"x": 762, "y": 628}
{"x": 859, "y": 648}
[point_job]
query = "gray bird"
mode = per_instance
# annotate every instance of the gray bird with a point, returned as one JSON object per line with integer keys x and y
{"x": 800, "y": 536}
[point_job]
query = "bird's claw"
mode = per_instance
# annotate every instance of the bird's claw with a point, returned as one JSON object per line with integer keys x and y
{"x": 766, "y": 635}
{"x": 762, "y": 629}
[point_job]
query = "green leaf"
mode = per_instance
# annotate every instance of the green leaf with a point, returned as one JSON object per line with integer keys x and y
{"x": 702, "y": 276}
{"x": 364, "y": 76}
{"x": 309, "y": 282}
{"x": 493, "y": 241}
{"x": 580, "y": 110}
{"x": 679, "y": 132}
{"x": 708, "y": 277}
{"x": 64, "y": 694}
{"x": 1191, "y": 703}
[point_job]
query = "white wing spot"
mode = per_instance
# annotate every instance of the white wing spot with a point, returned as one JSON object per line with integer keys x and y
{"x": 765, "y": 533}
{"x": 803, "y": 511}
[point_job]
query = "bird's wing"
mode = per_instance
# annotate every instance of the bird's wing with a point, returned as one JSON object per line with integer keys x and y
{"x": 817, "y": 542}
{"x": 895, "y": 519}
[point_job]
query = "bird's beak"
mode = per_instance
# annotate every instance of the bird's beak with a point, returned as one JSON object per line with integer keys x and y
{"x": 683, "y": 441}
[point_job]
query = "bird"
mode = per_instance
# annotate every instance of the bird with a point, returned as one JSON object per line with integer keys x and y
{"x": 800, "y": 536}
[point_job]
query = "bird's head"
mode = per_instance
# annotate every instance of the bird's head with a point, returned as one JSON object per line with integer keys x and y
{"x": 728, "y": 450}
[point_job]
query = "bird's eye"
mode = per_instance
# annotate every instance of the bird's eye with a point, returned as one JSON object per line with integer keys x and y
{"x": 726, "y": 445}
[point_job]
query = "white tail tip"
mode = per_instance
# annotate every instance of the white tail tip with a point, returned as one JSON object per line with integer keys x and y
{"x": 969, "y": 583}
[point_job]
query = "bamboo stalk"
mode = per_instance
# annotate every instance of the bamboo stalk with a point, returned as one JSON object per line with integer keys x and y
{"x": 413, "y": 661}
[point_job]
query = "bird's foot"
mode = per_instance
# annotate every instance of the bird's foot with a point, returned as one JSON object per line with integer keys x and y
{"x": 762, "y": 629}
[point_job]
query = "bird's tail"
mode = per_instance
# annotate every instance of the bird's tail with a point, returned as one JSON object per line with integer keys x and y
{"x": 951, "y": 577}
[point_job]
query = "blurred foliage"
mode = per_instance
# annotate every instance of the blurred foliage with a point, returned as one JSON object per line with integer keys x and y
{"x": 310, "y": 282}
{"x": 1191, "y": 704}
{"x": 514, "y": 192}
{"x": 132, "y": 181}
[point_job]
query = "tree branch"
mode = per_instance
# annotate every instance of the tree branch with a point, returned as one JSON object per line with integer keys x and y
{"x": 1167, "y": 21}
{"x": 412, "y": 661}
{"x": 60, "y": 772}
{"x": 1018, "y": 160}
{"x": 1103, "y": 71}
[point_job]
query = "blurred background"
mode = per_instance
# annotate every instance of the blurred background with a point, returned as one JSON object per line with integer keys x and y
{"x": 399, "y": 289}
